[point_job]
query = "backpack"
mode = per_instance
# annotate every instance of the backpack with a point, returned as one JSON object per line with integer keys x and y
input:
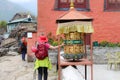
{"x": 23, "y": 46}
{"x": 42, "y": 51}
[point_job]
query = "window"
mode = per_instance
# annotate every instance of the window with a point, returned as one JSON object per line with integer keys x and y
{"x": 78, "y": 4}
{"x": 112, "y": 5}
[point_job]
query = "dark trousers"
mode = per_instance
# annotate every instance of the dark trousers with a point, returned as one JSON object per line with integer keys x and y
{"x": 42, "y": 71}
{"x": 23, "y": 55}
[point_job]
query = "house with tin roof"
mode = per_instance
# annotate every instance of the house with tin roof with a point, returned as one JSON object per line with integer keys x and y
{"x": 22, "y": 20}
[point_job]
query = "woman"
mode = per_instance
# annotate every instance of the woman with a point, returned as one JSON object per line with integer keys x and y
{"x": 45, "y": 64}
{"x": 23, "y": 47}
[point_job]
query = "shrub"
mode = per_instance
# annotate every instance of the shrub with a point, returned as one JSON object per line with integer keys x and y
{"x": 110, "y": 44}
{"x": 118, "y": 44}
{"x": 103, "y": 43}
{"x": 53, "y": 40}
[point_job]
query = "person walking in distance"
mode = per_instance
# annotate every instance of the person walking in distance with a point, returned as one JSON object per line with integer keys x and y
{"x": 23, "y": 47}
{"x": 42, "y": 62}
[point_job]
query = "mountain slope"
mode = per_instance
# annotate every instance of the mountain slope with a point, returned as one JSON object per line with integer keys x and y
{"x": 8, "y": 10}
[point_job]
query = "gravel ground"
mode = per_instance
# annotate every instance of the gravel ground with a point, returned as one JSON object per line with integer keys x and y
{"x": 13, "y": 68}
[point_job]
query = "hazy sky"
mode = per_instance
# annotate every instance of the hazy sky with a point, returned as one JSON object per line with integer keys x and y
{"x": 21, "y": 1}
{"x": 27, "y": 4}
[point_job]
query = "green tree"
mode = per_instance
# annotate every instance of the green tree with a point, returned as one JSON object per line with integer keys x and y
{"x": 3, "y": 27}
{"x": 3, "y": 24}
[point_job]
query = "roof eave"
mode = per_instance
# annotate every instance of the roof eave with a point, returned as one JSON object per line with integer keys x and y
{"x": 69, "y": 20}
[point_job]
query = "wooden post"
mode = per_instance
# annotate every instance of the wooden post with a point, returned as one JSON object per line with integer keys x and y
{"x": 59, "y": 67}
{"x": 91, "y": 54}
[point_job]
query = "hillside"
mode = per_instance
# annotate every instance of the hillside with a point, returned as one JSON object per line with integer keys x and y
{"x": 9, "y": 9}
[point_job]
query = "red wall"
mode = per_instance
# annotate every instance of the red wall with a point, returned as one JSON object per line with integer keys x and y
{"x": 106, "y": 24}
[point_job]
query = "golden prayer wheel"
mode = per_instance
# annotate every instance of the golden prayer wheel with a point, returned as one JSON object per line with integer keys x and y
{"x": 74, "y": 48}
{"x": 74, "y": 33}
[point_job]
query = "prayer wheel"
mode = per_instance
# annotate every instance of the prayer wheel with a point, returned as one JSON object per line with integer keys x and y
{"x": 74, "y": 45}
{"x": 74, "y": 38}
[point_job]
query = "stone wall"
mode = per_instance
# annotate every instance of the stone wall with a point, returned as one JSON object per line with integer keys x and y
{"x": 99, "y": 54}
{"x": 53, "y": 56}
